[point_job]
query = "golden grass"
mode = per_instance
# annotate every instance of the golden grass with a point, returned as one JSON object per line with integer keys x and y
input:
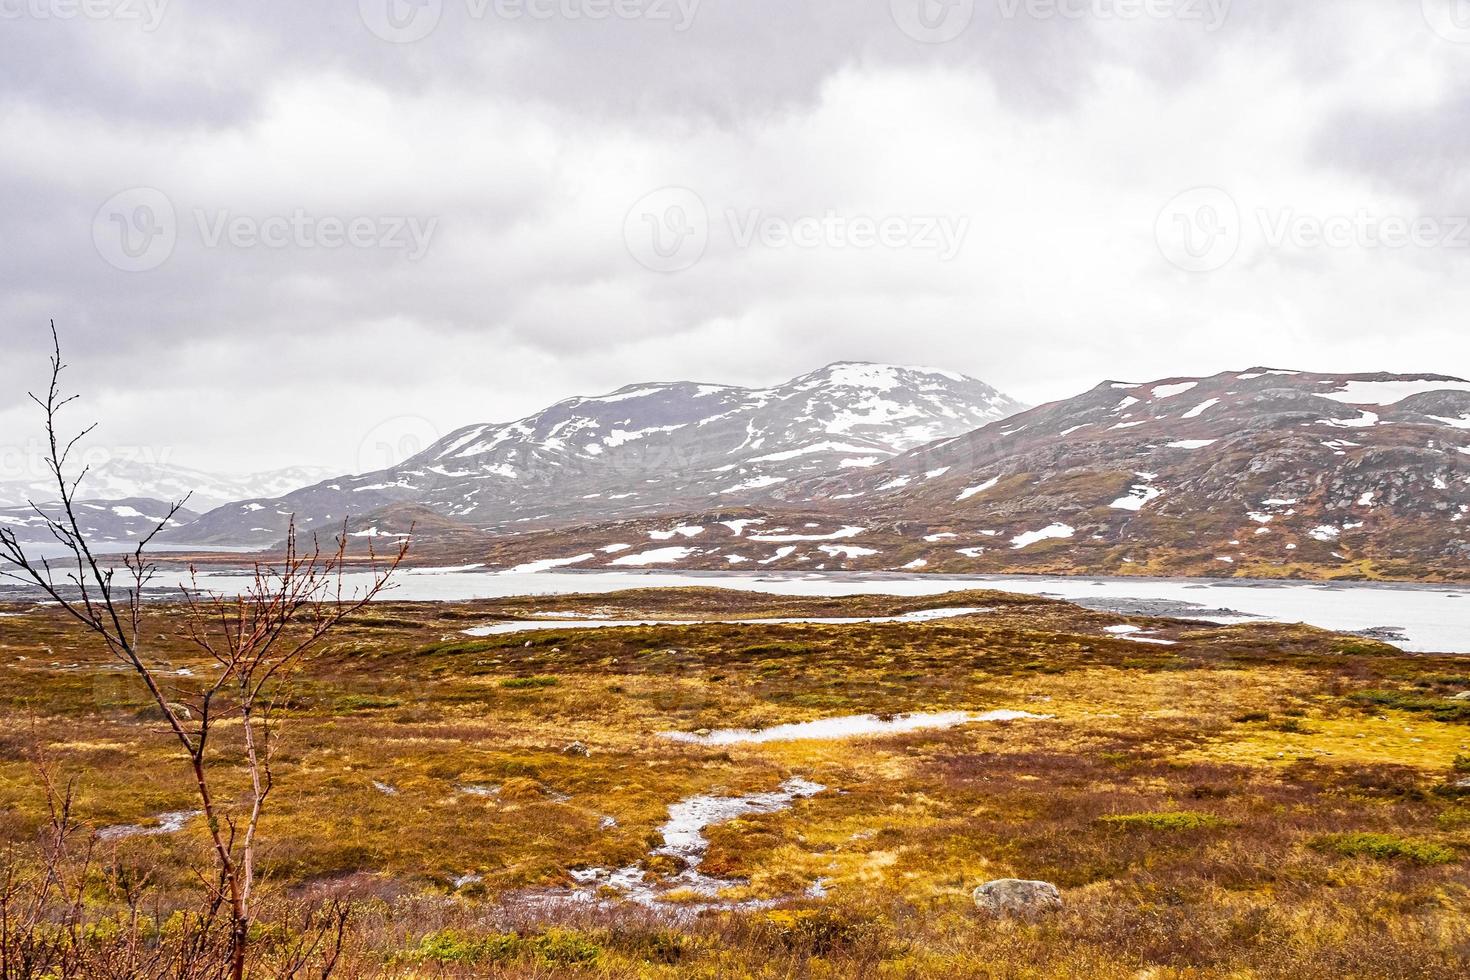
{"x": 416, "y": 755}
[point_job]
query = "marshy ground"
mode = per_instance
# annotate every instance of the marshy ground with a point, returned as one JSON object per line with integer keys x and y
{"x": 1240, "y": 801}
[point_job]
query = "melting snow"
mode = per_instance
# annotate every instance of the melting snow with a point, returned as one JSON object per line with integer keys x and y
{"x": 972, "y": 491}
{"x": 688, "y": 531}
{"x": 1028, "y": 538}
{"x": 546, "y": 564}
{"x": 738, "y": 526}
{"x": 1140, "y": 495}
{"x": 1200, "y": 409}
{"x": 1169, "y": 391}
{"x": 683, "y": 838}
{"x": 1364, "y": 421}
{"x": 168, "y": 823}
{"x": 755, "y": 483}
{"x": 658, "y": 556}
{"x": 846, "y": 551}
{"x": 1192, "y": 443}
{"x": 838, "y": 535}
{"x": 1388, "y": 392}
{"x": 536, "y": 625}
{"x": 853, "y": 726}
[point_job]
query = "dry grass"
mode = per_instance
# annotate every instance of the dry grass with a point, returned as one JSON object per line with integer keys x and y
{"x": 1218, "y": 808}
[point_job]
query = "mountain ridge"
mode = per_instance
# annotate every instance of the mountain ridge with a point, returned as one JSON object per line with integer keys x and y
{"x": 640, "y": 449}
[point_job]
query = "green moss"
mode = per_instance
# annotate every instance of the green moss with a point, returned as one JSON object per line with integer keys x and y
{"x": 1440, "y": 709}
{"x": 1384, "y": 847}
{"x": 1175, "y": 820}
{"x": 555, "y": 947}
{"x": 526, "y": 683}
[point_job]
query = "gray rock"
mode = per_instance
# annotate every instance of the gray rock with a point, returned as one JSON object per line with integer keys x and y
{"x": 577, "y": 749}
{"x": 1462, "y": 696}
{"x": 1014, "y": 897}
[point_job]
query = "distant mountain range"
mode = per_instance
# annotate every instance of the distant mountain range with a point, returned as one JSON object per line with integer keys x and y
{"x": 643, "y": 449}
{"x": 121, "y": 479}
{"x": 1263, "y": 473}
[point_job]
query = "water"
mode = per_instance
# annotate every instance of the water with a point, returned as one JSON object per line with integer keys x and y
{"x": 530, "y": 626}
{"x": 1430, "y": 619}
{"x": 683, "y": 840}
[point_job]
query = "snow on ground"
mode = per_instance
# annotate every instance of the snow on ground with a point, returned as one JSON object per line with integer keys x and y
{"x": 737, "y": 528}
{"x": 614, "y": 549}
{"x": 658, "y": 556}
{"x": 1463, "y": 422}
{"x": 1388, "y": 392}
{"x": 838, "y": 535}
{"x": 1200, "y": 409}
{"x": 936, "y": 538}
{"x": 1138, "y": 496}
{"x": 1169, "y": 391}
{"x": 853, "y": 726}
{"x": 972, "y": 491}
{"x": 546, "y": 564}
{"x": 1192, "y": 443}
{"x": 846, "y": 551}
{"x": 1028, "y": 538}
{"x": 688, "y": 531}
{"x": 1364, "y": 421}
{"x": 755, "y": 483}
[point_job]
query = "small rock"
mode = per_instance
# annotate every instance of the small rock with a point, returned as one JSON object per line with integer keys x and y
{"x": 1462, "y": 696}
{"x": 1014, "y": 897}
{"x": 578, "y": 749}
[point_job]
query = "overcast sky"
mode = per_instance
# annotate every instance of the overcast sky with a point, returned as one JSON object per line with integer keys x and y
{"x": 273, "y": 232}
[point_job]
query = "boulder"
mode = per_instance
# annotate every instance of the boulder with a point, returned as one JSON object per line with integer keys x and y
{"x": 1014, "y": 897}
{"x": 577, "y": 749}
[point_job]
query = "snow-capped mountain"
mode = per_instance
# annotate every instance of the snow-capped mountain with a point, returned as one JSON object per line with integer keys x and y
{"x": 1261, "y": 473}
{"x": 1243, "y": 470}
{"x": 642, "y": 449}
{"x": 121, "y": 479}
{"x": 105, "y": 522}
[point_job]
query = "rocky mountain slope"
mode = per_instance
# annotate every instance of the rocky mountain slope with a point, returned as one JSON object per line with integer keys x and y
{"x": 1262, "y": 473}
{"x": 644, "y": 449}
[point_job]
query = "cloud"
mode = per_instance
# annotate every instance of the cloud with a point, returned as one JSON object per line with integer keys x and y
{"x": 510, "y": 152}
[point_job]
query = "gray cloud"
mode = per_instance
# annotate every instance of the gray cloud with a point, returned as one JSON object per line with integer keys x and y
{"x": 525, "y": 143}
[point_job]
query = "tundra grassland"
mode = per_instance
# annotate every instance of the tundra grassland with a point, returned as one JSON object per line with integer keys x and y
{"x": 1246, "y": 801}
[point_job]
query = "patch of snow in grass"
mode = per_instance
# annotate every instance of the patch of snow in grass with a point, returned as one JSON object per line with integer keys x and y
{"x": 838, "y": 535}
{"x": 1200, "y": 409}
{"x": 1388, "y": 392}
{"x": 546, "y": 564}
{"x": 1140, "y": 495}
{"x": 1192, "y": 443}
{"x": 1028, "y": 538}
{"x": 846, "y": 551}
{"x": 658, "y": 556}
{"x": 852, "y": 726}
{"x": 755, "y": 483}
{"x": 1169, "y": 391}
{"x": 972, "y": 491}
{"x": 688, "y": 531}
